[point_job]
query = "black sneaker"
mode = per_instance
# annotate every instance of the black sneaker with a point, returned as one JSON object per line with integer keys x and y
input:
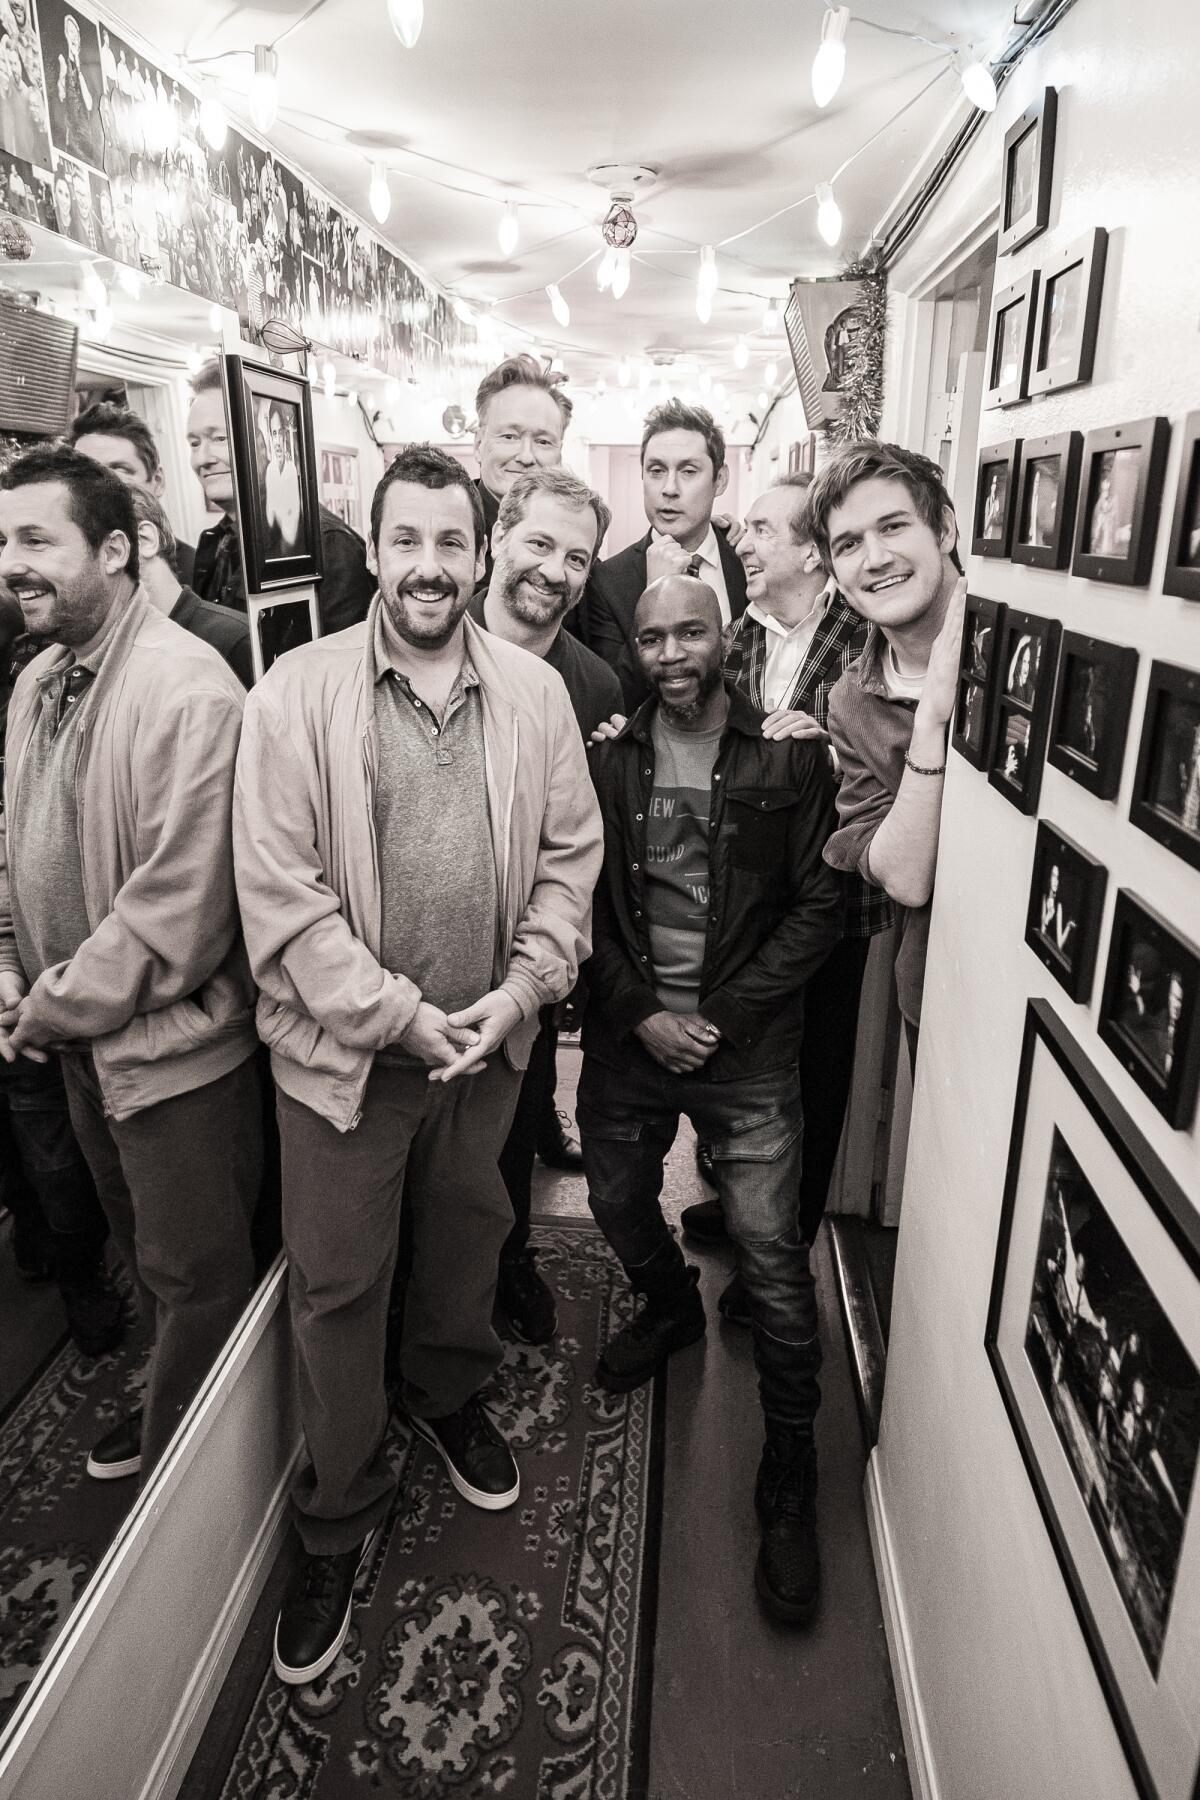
{"x": 667, "y": 1322}
{"x": 119, "y": 1451}
{"x": 315, "y": 1615}
{"x": 525, "y": 1300}
{"x": 704, "y": 1223}
{"x": 94, "y": 1312}
{"x": 733, "y": 1303}
{"x": 787, "y": 1575}
{"x": 477, "y": 1459}
{"x": 557, "y": 1149}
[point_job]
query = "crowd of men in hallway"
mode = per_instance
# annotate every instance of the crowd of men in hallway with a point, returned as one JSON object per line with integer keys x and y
{"x": 327, "y": 928}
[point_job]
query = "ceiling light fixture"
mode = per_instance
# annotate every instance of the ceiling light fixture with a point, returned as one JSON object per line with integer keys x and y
{"x": 380, "y": 194}
{"x": 213, "y": 122}
{"x": 352, "y": 397}
{"x": 622, "y": 268}
{"x": 764, "y": 399}
{"x": 329, "y": 380}
{"x": 829, "y": 64}
{"x": 264, "y": 87}
{"x": 770, "y": 318}
{"x": 407, "y": 17}
{"x": 604, "y": 272}
{"x": 708, "y": 279}
{"x": 771, "y": 373}
{"x": 977, "y": 82}
{"x": 508, "y": 232}
{"x": 829, "y": 214}
{"x": 741, "y": 353}
{"x": 463, "y": 311}
{"x": 558, "y": 306}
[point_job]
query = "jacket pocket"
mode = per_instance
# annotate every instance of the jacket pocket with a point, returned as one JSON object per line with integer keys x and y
{"x": 757, "y": 822}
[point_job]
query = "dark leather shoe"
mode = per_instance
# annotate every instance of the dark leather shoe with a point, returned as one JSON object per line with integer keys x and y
{"x": 787, "y": 1575}
{"x": 704, "y": 1222}
{"x": 525, "y": 1300}
{"x": 315, "y": 1615}
{"x": 734, "y": 1303}
{"x": 477, "y": 1459}
{"x": 119, "y": 1451}
{"x": 557, "y": 1149}
{"x": 94, "y": 1312}
{"x": 704, "y": 1163}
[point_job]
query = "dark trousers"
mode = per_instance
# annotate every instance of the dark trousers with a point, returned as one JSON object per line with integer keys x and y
{"x": 826, "y": 1063}
{"x": 46, "y": 1178}
{"x": 178, "y": 1183}
{"x": 628, "y": 1119}
{"x": 436, "y": 1143}
{"x": 529, "y": 1120}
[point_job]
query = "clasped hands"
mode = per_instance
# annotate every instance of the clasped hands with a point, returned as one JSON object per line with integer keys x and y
{"x": 681, "y": 1042}
{"x": 458, "y": 1043}
{"x": 15, "y": 1033}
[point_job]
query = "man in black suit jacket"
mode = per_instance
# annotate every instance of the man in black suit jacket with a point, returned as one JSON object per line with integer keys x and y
{"x": 521, "y": 418}
{"x": 683, "y": 472}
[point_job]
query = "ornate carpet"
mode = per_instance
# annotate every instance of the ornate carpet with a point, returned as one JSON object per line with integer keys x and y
{"x": 497, "y": 1653}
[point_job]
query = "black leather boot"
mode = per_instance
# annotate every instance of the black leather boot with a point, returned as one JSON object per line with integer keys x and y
{"x": 673, "y": 1315}
{"x": 787, "y": 1575}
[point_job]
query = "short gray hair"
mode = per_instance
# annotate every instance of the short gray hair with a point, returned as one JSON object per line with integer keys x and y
{"x": 559, "y": 484}
{"x": 801, "y": 481}
{"x": 146, "y": 510}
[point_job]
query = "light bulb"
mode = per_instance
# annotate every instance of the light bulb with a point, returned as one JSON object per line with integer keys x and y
{"x": 703, "y": 306}
{"x": 977, "y": 83}
{"x": 380, "y": 194}
{"x": 624, "y": 372}
{"x": 213, "y": 123}
{"x": 829, "y": 64}
{"x": 352, "y": 397}
{"x": 770, "y": 318}
{"x": 601, "y": 387}
{"x": 508, "y": 232}
{"x": 708, "y": 278}
{"x": 829, "y": 214}
{"x": 462, "y": 310}
{"x": 604, "y": 273}
{"x": 329, "y": 380}
{"x": 620, "y": 276}
{"x": 771, "y": 373}
{"x": 741, "y": 353}
{"x": 558, "y": 306}
{"x": 407, "y": 17}
{"x": 264, "y": 88}
{"x": 764, "y": 400}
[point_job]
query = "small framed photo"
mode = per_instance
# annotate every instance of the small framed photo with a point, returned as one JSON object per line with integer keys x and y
{"x": 1093, "y": 1334}
{"x": 1028, "y": 654}
{"x": 1010, "y": 341}
{"x": 1066, "y": 898}
{"x": 1120, "y": 494}
{"x": 978, "y": 681}
{"x": 1091, "y": 712}
{"x": 275, "y": 474}
{"x": 1068, "y": 318}
{"x": 1028, "y": 170}
{"x": 280, "y": 622}
{"x": 1166, "y": 786}
{"x": 1182, "y": 573}
{"x": 995, "y": 496}
{"x": 1045, "y": 510}
{"x": 1149, "y": 1015}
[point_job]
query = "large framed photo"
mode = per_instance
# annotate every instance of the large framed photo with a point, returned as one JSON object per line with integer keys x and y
{"x": 1068, "y": 317}
{"x": 1182, "y": 573}
{"x": 275, "y": 472}
{"x": 1166, "y": 786}
{"x": 1009, "y": 342}
{"x": 1066, "y": 898}
{"x": 1091, "y": 712}
{"x": 978, "y": 678}
{"x": 1093, "y": 1335}
{"x": 1028, "y": 169}
{"x": 1120, "y": 495}
{"x": 1045, "y": 510}
{"x": 1149, "y": 1013}
{"x": 995, "y": 496}
{"x": 1028, "y": 654}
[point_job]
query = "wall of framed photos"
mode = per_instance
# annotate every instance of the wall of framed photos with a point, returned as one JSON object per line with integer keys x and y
{"x": 1050, "y": 1234}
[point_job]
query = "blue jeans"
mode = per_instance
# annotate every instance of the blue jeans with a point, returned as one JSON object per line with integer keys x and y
{"x": 627, "y": 1122}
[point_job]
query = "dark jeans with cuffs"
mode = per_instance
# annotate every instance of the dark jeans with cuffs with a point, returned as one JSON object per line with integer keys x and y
{"x": 45, "y": 1171}
{"x": 628, "y": 1119}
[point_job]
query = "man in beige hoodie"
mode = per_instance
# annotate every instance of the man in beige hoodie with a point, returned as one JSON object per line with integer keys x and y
{"x": 119, "y": 942}
{"x": 416, "y": 841}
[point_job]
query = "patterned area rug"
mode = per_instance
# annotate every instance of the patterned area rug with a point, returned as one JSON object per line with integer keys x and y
{"x": 497, "y": 1653}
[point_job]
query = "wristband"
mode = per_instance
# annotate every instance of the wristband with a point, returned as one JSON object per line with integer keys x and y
{"x": 918, "y": 770}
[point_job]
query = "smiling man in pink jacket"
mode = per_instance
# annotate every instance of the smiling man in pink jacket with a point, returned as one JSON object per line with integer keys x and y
{"x": 416, "y": 840}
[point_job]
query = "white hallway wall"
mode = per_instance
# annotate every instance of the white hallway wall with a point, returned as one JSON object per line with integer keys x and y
{"x": 1012, "y": 1707}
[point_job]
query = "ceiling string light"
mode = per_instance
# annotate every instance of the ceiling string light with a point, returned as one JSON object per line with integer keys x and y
{"x": 407, "y": 17}
{"x": 380, "y": 194}
{"x": 620, "y": 274}
{"x": 741, "y": 353}
{"x": 977, "y": 81}
{"x": 264, "y": 87}
{"x": 558, "y": 306}
{"x": 508, "y": 232}
{"x": 771, "y": 373}
{"x": 829, "y": 64}
{"x": 829, "y": 213}
{"x": 213, "y": 122}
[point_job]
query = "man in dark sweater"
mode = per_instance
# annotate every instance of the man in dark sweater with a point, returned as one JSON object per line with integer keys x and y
{"x": 228, "y": 632}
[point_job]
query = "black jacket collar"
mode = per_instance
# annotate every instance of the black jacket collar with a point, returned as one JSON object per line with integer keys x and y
{"x": 743, "y": 716}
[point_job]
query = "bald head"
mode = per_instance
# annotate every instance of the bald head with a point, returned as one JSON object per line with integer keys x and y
{"x": 670, "y": 593}
{"x": 681, "y": 646}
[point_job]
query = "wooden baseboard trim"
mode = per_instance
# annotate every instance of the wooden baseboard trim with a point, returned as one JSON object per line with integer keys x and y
{"x": 922, "y": 1773}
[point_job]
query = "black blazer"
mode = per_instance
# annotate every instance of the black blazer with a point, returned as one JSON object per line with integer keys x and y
{"x": 616, "y": 587}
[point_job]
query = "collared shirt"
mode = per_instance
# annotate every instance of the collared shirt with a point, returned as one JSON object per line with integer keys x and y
{"x": 709, "y": 558}
{"x": 786, "y": 647}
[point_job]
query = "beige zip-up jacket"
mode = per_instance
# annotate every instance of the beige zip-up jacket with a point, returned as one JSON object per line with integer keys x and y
{"x": 161, "y": 990}
{"x": 308, "y": 867}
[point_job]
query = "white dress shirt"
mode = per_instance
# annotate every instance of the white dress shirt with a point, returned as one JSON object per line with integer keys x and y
{"x": 787, "y": 646}
{"x": 710, "y": 569}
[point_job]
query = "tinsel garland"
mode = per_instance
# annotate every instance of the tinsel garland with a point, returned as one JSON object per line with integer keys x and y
{"x": 862, "y": 389}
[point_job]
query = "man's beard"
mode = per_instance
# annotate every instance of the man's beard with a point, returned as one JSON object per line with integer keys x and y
{"x": 424, "y": 634}
{"x": 706, "y": 681}
{"x": 550, "y": 605}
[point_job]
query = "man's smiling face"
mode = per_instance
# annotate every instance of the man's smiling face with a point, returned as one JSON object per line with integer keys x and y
{"x": 887, "y": 561}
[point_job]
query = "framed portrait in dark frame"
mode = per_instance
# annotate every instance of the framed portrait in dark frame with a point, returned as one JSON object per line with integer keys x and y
{"x": 1166, "y": 784}
{"x": 1025, "y": 683}
{"x": 995, "y": 494}
{"x": 1182, "y": 573}
{"x": 1091, "y": 712}
{"x": 1044, "y": 515}
{"x": 275, "y": 474}
{"x": 1068, "y": 315}
{"x": 1066, "y": 899}
{"x": 1028, "y": 170}
{"x": 978, "y": 682}
{"x": 1150, "y": 1010}
{"x": 1010, "y": 339}
{"x": 1093, "y": 1335}
{"x": 1120, "y": 492}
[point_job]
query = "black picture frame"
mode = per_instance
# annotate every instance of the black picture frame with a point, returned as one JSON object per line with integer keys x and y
{"x": 280, "y": 531}
{"x": 1027, "y": 169}
{"x": 1025, "y": 696}
{"x": 1166, "y": 782}
{"x": 281, "y": 620}
{"x": 1092, "y": 703}
{"x": 1182, "y": 573}
{"x": 995, "y": 496}
{"x": 1068, "y": 315}
{"x": 1049, "y": 467}
{"x": 1120, "y": 548}
{"x": 1152, "y": 1023}
{"x": 1010, "y": 340}
{"x": 1093, "y": 1336}
{"x": 1066, "y": 899}
{"x": 978, "y": 680}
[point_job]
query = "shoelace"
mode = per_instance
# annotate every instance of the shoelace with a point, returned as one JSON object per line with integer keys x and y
{"x": 785, "y": 1491}
{"x": 320, "y": 1578}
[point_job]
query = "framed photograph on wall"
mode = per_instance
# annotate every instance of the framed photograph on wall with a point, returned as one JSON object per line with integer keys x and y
{"x": 1066, "y": 898}
{"x": 995, "y": 497}
{"x": 1166, "y": 786}
{"x": 978, "y": 680}
{"x": 1068, "y": 316}
{"x": 1028, "y": 169}
{"x": 1010, "y": 340}
{"x": 1025, "y": 677}
{"x": 275, "y": 473}
{"x": 280, "y": 622}
{"x": 1044, "y": 515}
{"x": 1093, "y": 1335}
{"x": 1150, "y": 1011}
{"x": 1091, "y": 712}
{"x": 1120, "y": 494}
{"x": 1182, "y": 573}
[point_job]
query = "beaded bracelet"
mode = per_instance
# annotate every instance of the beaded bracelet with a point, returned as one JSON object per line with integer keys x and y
{"x": 918, "y": 770}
